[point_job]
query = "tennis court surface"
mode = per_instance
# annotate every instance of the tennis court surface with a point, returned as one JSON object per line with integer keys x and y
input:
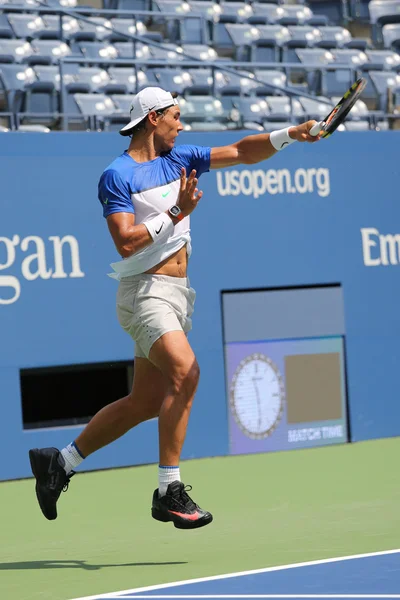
{"x": 297, "y": 509}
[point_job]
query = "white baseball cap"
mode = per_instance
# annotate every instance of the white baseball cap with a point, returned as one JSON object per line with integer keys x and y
{"x": 148, "y": 99}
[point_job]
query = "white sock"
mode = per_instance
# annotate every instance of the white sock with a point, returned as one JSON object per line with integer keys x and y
{"x": 72, "y": 457}
{"x": 167, "y": 475}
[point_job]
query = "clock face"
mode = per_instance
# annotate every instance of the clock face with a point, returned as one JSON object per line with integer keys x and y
{"x": 257, "y": 396}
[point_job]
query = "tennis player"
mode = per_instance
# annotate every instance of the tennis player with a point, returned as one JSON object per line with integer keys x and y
{"x": 147, "y": 195}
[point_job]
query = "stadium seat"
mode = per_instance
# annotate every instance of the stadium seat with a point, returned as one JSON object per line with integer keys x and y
{"x": 352, "y": 58}
{"x": 27, "y": 26}
{"x": 192, "y": 30}
{"x": 333, "y": 37}
{"x": 70, "y": 26}
{"x": 384, "y": 81}
{"x": 199, "y": 52}
{"x": 122, "y": 28}
{"x": 295, "y": 14}
{"x": 383, "y": 12}
{"x": 95, "y": 108}
{"x": 122, "y": 103}
{"x": 235, "y": 12}
{"x": 201, "y": 109}
{"x": 235, "y": 84}
{"x": 126, "y": 76}
{"x": 202, "y": 81}
{"x": 98, "y": 80}
{"x": 48, "y": 51}
{"x": 267, "y": 47}
{"x": 242, "y": 36}
{"x": 315, "y": 109}
{"x": 5, "y": 28}
{"x": 98, "y": 50}
{"x": 14, "y": 78}
{"x": 335, "y": 11}
{"x": 246, "y": 112}
{"x": 282, "y": 107}
{"x": 15, "y": 51}
{"x": 271, "y": 79}
{"x": 383, "y": 59}
{"x": 133, "y": 50}
{"x": 40, "y": 103}
{"x": 172, "y": 79}
{"x": 170, "y": 51}
{"x": 301, "y": 36}
{"x": 133, "y": 5}
{"x": 314, "y": 58}
{"x": 51, "y": 74}
{"x": 391, "y": 36}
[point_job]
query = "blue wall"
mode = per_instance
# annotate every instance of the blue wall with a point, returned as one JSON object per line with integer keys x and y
{"x": 253, "y": 229}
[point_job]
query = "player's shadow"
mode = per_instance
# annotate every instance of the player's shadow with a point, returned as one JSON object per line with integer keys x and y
{"x": 77, "y": 564}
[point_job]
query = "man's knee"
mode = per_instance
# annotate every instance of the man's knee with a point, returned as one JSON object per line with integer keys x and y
{"x": 185, "y": 379}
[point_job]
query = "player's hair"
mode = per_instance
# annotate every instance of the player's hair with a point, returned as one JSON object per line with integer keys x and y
{"x": 142, "y": 124}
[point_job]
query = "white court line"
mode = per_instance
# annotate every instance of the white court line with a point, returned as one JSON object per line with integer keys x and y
{"x": 269, "y": 596}
{"x": 311, "y": 563}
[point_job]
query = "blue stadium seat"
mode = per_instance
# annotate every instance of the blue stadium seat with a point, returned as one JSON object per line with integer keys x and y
{"x": 270, "y": 78}
{"x": 295, "y": 14}
{"x": 202, "y": 81}
{"x": 192, "y": 30}
{"x": 133, "y": 5}
{"x": 91, "y": 32}
{"x": 352, "y": 58}
{"x": 98, "y": 50}
{"x": 315, "y": 109}
{"x": 391, "y": 36}
{"x": 15, "y": 51}
{"x": 172, "y": 79}
{"x": 266, "y": 14}
{"x": 95, "y": 108}
{"x": 201, "y": 109}
{"x": 123, "y": 28}
{"x": 199, "y": 52}
{"x": 242, "y": 36}
{"x": 13, "y": 79}
{"x": 335, "y": 11}
{"x": 383, "y": 12}
{"x": 237, "y": 84}
{"x": 126, "y": 76}
{"x": 48, "y": 51}
{"x": 51, "y": 30}
{"x": 168, "y": 51}
{"x": 126, "y": 50}
{"x": 333, "y": 37}
{"x": 384, "y": 81}
{"x": 267, "y": 47}
{"x": 98, "y": 80}
{"x": 314, "y": 58}
{"x": 235, "y": 12}
{"x": 383, "y": 59}
{"x": 27, "y": 26}
{"x": 209, "y": 9}
{"x": 282, "y": 107}
{"x": 51, "y": 74}
{"x": 301, "y": 36}
{"x": 248, "y": 113}
{"x": 5, "y": 28}
{"x": 41, "y": 103}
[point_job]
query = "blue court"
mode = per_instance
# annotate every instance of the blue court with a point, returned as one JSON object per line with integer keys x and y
{"x": 374, "y": 575}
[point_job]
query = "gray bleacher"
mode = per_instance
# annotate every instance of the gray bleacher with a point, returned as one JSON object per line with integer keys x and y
{"x": 234, "y": 63}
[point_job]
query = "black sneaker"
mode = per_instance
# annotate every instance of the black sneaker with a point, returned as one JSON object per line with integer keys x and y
{"x": 51, "y": 478}
{"x": 178, "y": 507}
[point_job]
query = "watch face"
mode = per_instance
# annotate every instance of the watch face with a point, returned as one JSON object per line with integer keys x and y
{"x": 175, "y": 210}
{"x": 257, "y": 396}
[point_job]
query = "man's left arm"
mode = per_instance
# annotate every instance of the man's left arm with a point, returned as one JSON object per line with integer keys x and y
{"x": 256, "y": 148}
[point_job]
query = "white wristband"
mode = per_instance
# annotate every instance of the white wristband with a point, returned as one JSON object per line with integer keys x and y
{"x": 159, "y": 227}
{"x": 280, "y": 138}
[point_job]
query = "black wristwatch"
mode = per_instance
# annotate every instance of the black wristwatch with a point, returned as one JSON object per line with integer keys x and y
{"x": 176, "y": 212}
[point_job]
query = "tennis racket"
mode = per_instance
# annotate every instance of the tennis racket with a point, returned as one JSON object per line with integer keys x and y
{"x": 339, "y": 113}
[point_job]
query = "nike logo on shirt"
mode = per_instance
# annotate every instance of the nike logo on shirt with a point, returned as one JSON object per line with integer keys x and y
{"x": 165, "y": 194}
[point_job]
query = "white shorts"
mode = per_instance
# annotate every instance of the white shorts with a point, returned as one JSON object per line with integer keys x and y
{"x": 150, "y": 305}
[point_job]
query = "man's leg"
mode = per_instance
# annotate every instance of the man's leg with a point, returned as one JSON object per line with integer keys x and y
{"x": 113, "y": 421}
{"x": 143, "y": 403}
{"x": 174, "y": 357}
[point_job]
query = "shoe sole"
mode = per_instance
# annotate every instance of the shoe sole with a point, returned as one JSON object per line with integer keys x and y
{"x": 181, "y": 523}
{"x": 34, "y": 468}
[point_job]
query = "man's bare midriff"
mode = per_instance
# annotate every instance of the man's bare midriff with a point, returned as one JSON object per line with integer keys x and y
{"x": 174, "y": 266}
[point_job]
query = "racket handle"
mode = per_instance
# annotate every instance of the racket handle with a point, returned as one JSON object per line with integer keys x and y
{"x": 315, "y": 129}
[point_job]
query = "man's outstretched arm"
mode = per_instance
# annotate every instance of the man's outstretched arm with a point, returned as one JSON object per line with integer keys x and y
{"x": 256, "y": 148}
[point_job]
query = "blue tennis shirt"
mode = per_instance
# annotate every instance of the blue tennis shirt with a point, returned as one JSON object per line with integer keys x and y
{"x": 147, "y": 189}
